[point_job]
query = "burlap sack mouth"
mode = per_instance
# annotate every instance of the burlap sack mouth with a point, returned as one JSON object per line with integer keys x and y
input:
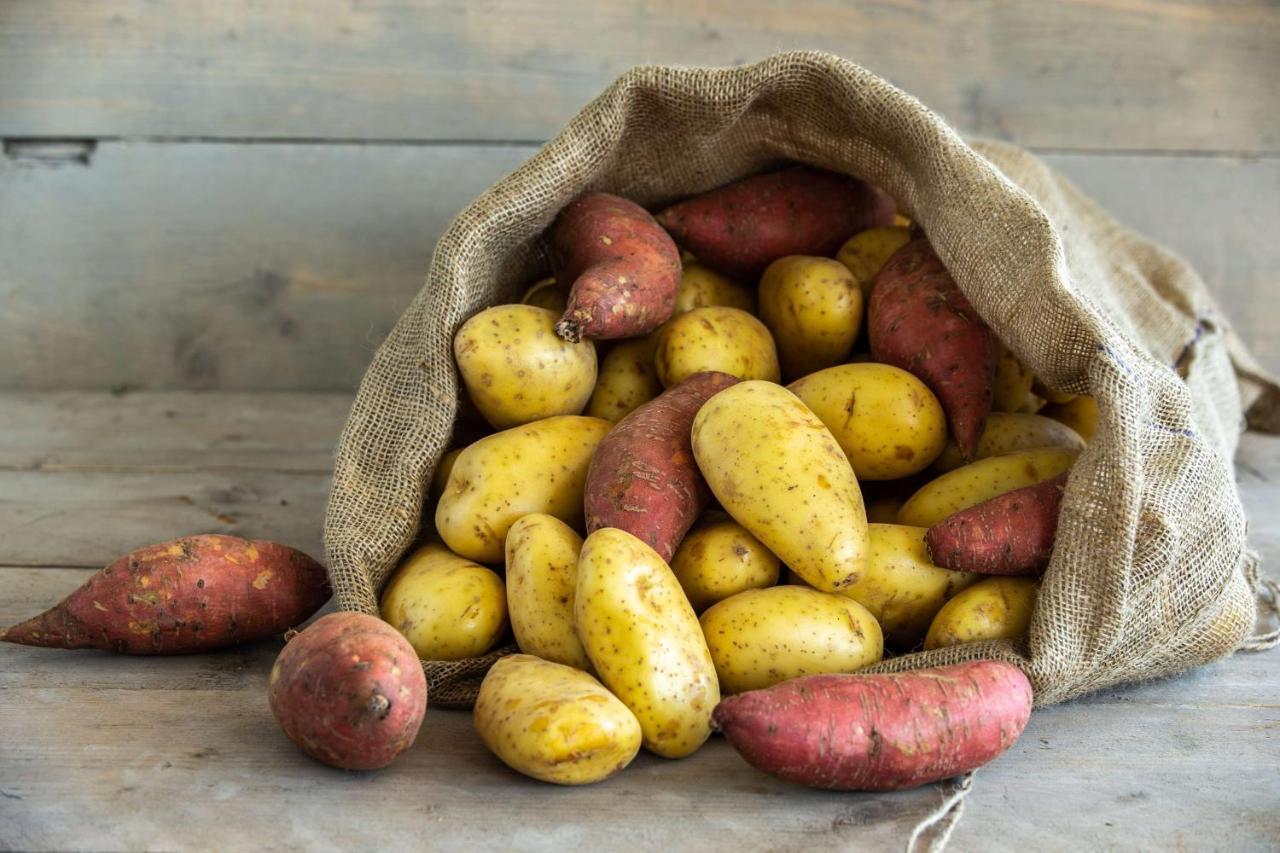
{"x": 1150, "y": 575}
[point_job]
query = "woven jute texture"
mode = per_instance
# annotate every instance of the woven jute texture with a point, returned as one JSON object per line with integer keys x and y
{"x": 1150, "y": 575}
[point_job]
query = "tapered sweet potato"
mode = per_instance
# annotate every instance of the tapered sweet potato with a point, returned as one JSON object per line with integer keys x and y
{"x": 920, "y": 321}
{"x": 187, "y": 595}
{"x": 741, "y": 228}
{"x": 623, "y": 269}
{"x": 879, "y": 732}
{"x": 350, "y": 691}
{"x": 1011, "y": 534}
{"x": 643, "y": 478}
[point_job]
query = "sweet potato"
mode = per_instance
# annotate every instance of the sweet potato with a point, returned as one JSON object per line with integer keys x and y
{"x": 879, "y": 732}
{"x": 187, "y": 595}
{"x": 741, "y": 228}
{"x": 920, "y": 321}
{"x": 643, "y": 478}
{"x": 1011, "y": 534}
{"x": 350, "y": 691}
{"x": 623, "y": 269}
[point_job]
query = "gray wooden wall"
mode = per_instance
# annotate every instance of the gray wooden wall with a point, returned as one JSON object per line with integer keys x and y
{"x": 243, "y": 195}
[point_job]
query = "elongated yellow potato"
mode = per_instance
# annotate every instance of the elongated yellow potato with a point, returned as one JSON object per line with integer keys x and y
{"x": 720, "y": 558}
{"x": 813, "y": 309}
{"x": 447, "y": 608}
{"x": 994, "y": 609}
{"x": 1006, "y": 432}
{"x": 902, "y": 588}
{"x": 628, "y": 380}
{"x": 554, "y": 722}
{"x": 645, "y": 642}
{"x": 760, "y": 637}
{"x": 1012, "y": 383}
{"x": 542, "y": 576}
{"x": 701, "y": 288}
{"x": 537, "y": 467}
{"x": 781, "y": 474}
{"x": 982, "y": 480}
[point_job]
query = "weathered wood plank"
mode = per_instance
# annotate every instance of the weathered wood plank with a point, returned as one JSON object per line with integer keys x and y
{"x": 282, "y": 266}
{"x": 170, "y": 431}
{"x": 1110, "y": 75}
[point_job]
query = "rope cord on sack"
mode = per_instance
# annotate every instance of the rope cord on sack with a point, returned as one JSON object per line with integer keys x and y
{"x": 944, "y": 819}
{"x": 1267, "y": 596}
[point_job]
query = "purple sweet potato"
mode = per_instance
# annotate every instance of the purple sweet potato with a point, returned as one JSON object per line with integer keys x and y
{"x": 920, "y": 321}
{"x": 350, "y": 691}
{"x": 643, "y": 478}
{"x": 622, "y": 268}
{"x": 1011, "y": 534}
{"x": 879, "y": 732}
{"x": 187, "y": 595}
{"x": 742, "y": 227}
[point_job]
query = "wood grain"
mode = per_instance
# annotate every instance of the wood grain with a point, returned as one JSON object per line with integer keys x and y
{"x": 251, "y": 267}
{"x": 1121, "y": 74}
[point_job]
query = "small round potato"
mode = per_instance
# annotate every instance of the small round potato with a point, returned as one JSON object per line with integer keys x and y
{"x": 993, "y": 609}
{"x": 719, "y": 558}
{"x": 1081, "y": 414}
{"x": 546, "y": 293}
{"x": 902, "y": 588}
{"x": 865, "y": 253}
{"x": 1006, "y": 432}
{"x": 702, "y": 288}
{"x": 980, "y": 481}
{"x": 627, "y": 380}
{"x": 760, "y": 637}
{"x": 517, "y": 369}
{"x": 813, "y": 308}
{"x": 645, "y": 642}
{"x": 887, "y": 421}
{"x": 1012, "y": 383}
{"x": 542, "y": 574}
{"x": 716, "y": 338}
{"x": 553, "y": 722}
{"x": 537, "y": 467}
{"x": 447, "y": 608}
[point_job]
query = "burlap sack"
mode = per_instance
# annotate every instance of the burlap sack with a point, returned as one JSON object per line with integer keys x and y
{"x": 1150, "y": 575}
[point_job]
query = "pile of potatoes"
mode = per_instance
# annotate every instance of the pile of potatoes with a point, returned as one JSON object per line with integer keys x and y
{"x": 760, "y": 436}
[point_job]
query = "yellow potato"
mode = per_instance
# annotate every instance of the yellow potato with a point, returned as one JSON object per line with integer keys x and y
{"x": 864, "y": 253}
{"x": 701, "y": 288}
{"x": 627, "y": 380}
{"x": 537, "y": 467}
{"x": 518, "y": 370}
{"x": 645, "y": 642}
{"x": 553, "y": 722}
{"x": 887, "y": 421}
{"x": 1054, "y": 398}
{"x": 1031, "y": 404}
{"x": 982, "y": 480}
{"x": 1081, "y": 414}
{"x": 760, "y": 637}
{"x": 716, "y": 338}
{"x": 813, "y": 308}
{"x": 901, "y": 221}
{"x": 447, "y": 608}
{"x": 546, "y": 293}
{"x": 902, "y": 587}
{"x": 994, "y": 609}
{"x": 1009, "y": 431}
{"x": 719, "y": 559}
{"x": 782, "y": 475}
{"x": 542, "y": 574}
{"x": 443, "y": 468}
{"x": 1012, "y": 383}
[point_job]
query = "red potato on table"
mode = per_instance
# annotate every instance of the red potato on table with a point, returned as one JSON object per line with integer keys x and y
{"x": 643, "y": 478}
{"x": 741, "y": 228}
{"x": 193, "y": 594}
{"x": 1011, "y": 534}
{"x": 622, "y": 268}
{"x": 879, "y": 732}
{"x": 919, "y": 320}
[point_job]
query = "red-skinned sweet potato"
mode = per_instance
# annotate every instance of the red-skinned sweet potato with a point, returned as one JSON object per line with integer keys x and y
{"x": 623, "y": 269}
{"x": 879, "y": 732}
{"x": 919, "y": 320}
{"x": 643, "y": 478}
{"x": 742, "y": 227}
{"x": 187, "y": 595}
{"x": 350, "y": 691}
{"x": 1011, "y": 534}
